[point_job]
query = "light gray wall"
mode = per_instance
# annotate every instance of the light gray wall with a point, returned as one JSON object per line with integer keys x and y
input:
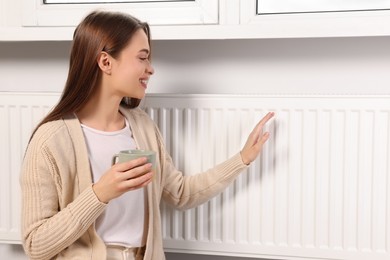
{"x": 271, "y": 66}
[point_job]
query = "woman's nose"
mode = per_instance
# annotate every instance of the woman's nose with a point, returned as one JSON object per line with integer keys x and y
{"x": 150, "y": 69}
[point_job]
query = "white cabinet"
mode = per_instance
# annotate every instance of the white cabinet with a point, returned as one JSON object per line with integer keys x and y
{"x": 304, "y": 18}
{"x": 70, "y": 12}
{"x": 48, "y": 20}
{"x": 302, "y": 6}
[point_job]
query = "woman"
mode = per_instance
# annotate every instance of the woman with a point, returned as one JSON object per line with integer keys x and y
{"x": 75, "y": 204}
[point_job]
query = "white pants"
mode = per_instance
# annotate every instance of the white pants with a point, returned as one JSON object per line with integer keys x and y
{"x": 123, "y": 253}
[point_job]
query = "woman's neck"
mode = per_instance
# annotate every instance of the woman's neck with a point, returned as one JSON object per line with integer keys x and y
{"x": 102, "y": 113}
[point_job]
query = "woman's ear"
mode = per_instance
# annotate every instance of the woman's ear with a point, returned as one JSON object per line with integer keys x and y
{"x": 104, "y": 62}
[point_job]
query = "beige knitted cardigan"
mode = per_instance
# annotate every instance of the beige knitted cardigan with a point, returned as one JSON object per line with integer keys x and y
{"x": 59, "y": 207}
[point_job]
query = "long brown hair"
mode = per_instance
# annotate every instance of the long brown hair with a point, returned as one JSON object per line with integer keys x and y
{"x": 99, "y": 31}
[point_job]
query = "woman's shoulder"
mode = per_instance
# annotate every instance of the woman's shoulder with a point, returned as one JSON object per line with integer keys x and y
{"x": 49, "y": 131}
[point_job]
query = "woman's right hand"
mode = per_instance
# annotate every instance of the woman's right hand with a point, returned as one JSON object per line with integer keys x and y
{"x": 123, "y": 177}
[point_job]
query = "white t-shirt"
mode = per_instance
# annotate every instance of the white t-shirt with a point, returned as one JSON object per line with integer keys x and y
{"x": 123, "y": 221}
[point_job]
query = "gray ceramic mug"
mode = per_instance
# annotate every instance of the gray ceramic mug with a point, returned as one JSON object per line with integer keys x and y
{"x": 128, "y": 155}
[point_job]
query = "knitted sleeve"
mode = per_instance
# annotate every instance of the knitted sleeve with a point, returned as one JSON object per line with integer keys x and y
{"x": 185, "y": 192}
{"x": 47, "y": 228}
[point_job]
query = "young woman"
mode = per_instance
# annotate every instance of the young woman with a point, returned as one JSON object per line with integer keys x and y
{"x": 75, "y": 204}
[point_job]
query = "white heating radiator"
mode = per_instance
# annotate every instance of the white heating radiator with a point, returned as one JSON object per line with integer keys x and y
{"x": 320, "y": 190}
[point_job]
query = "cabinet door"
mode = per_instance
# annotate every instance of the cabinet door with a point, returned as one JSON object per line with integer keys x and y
{"x": 321, "y": 18}
{"x": 302, "y": 6}
{"x": 41, "y": 13}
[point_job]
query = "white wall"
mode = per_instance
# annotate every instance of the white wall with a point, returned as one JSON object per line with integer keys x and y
{"x": 292, "y": 66}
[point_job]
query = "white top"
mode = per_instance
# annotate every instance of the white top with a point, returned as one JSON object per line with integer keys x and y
{"x": 122, "y": 223}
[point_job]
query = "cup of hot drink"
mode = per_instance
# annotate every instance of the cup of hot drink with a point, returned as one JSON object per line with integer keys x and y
{"x": 129, "y": 155}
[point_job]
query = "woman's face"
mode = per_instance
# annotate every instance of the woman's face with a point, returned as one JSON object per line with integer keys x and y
{"x": 132, "y": 69}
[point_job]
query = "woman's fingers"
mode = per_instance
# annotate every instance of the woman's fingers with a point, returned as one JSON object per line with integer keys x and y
{"x": 138, "y": 175}
{"x": 255, "y": 141}
{"x": 125, "y": 166}
{"x": 138, "y": 182}
{"x": 123, "y": 177}
{"x": 257, "y": 132}
{"x": 259, "y": 127}
{"x": 136, "y": 171}
{"x": 262, "y": 140}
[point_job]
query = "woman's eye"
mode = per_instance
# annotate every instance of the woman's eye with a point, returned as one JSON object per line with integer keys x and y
{"x": 143, "y": 58}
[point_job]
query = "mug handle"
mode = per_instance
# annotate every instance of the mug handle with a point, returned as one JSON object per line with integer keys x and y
{"x": 114, "y": 159}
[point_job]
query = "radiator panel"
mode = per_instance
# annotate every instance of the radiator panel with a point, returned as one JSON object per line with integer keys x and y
{"x": 320, "y": 189}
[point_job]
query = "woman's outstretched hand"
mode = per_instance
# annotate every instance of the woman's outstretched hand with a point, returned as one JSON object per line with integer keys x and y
{"x": 256, "y": 139}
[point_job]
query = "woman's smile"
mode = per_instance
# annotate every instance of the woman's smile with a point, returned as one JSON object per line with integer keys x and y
{"x": 144, "y": 82}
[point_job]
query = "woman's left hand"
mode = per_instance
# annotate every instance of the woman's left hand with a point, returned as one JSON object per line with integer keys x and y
{"x": 256, "y": 139}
